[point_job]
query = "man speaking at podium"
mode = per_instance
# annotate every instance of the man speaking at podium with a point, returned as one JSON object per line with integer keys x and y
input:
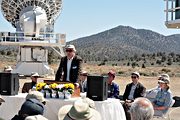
{"x": 70, "y": 66}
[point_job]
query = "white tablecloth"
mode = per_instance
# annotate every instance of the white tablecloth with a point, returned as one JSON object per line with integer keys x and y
{"x": 110, "y": 109}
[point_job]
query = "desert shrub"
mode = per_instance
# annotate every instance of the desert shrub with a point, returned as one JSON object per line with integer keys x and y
{"x": 120, "y": 72}
{"x": 143, "y": 66}
{"x": 165, "y": 70}
{"x": 144, "y": 74}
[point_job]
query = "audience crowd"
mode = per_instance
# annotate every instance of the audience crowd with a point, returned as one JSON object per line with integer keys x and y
{"x": 138, "y": 103}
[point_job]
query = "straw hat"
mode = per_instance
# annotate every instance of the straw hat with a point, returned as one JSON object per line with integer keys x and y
{"x": 80, "y": 110}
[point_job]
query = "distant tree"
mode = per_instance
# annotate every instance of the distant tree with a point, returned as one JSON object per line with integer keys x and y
{"x": 143, "y": 55}
{"x": 169, "y": 61}
{"x": 134, "y": 64}
{"x": 163, "y": 59}
{"x": 158, "y": 62}
{"x": 143, "y": 66}
{"x": 172, "y": 54}
{"x": 3, "y": 52}
{"x": 9, "y": 53}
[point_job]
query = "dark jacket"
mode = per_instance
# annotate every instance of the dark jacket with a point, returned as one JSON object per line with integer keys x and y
{"x": 75, "y": 69}
{"x": 17, "y": 117}
{"x": 139, "y": 91}
{"x": 27, "y": 86}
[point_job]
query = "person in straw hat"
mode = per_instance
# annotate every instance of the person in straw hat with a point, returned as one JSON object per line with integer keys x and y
{"x": 70, "y": 66}
{"x": 80, "y": 110}
{"x": 163, "y": 99}
{"x": 151, "y": 94}
{"x": 29, "y": 85}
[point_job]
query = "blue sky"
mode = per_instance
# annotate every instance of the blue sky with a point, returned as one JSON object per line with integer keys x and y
{"x": 80, "y": 18}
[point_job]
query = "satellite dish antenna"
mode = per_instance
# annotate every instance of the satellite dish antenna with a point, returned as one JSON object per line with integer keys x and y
{"x": 172, "y": 14}
{"x": 34, "y": 23}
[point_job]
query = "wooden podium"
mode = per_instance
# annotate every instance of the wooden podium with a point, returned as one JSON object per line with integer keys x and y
{"x": 76, "y": 92}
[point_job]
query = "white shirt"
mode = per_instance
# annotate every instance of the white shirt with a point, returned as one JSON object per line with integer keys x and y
{"x": 131, "y": 95}
{"x": 69, "y": 61}
{"x": 84, "y": 85}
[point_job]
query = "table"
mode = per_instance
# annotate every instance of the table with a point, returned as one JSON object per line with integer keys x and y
{"x": 110, "y": 109}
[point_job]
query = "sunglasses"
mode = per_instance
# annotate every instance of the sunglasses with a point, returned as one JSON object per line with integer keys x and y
{"x": 133, "y": 76}
{"x": 69, "y": 50}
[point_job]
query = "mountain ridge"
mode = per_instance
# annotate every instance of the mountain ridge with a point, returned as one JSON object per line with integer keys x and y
{"x": 122, "y": 41}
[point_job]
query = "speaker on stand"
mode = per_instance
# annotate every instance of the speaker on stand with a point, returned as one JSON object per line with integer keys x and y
{"x": 9, "y": 83}
{"x": 97, "y": 87}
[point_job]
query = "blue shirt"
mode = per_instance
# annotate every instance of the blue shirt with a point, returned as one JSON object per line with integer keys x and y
{"x": 113, "y": 90}
{"x": 163, "y": 98}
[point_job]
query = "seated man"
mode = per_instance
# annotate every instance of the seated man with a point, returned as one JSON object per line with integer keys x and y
{"x": 141, "y": 109}
{"x": 113, "y": 88}
{"x": 135, "y": 89}
{"x": 163, "y": 100}
{"x": 151, "y": 94}
{"x": 83, "y": 81}
{"x": 30, "y": 85}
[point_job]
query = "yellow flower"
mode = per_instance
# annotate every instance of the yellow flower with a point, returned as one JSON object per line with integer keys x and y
{"x": 53, "y": 86}
{"x": 39, "y": 86}
{"x": 71, "y": 86}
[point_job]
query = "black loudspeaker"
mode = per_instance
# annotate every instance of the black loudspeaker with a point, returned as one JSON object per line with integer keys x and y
{"x": 177, "y": 12}
{"x": 9, "y": 83}
{"x": 97, "y": 88}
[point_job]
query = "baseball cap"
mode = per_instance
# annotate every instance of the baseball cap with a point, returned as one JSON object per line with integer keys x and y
{"x": 112, "y": 73}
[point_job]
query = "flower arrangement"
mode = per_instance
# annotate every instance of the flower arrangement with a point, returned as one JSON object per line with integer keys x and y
{"x": 68, "y": 87}
{"x": 56, "y": 90}
{"x": 40, "y": 86}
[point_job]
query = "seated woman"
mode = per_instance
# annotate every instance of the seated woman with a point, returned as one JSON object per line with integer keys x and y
{"x": 163, "y": 99}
